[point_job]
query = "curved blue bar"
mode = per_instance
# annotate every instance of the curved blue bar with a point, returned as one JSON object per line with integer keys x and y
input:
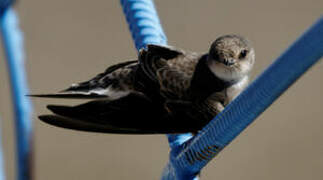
{"x": 4, "y": 4}
{"x": 13, "y": 43}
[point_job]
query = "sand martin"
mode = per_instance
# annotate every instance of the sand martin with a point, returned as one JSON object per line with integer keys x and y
{"x": 167, "y": 90}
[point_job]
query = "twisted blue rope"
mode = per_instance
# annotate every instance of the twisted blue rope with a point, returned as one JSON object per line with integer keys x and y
{"x": 186, "y": 160}
{"x": 13, "y": 44}
{"x": 143, "y": 22}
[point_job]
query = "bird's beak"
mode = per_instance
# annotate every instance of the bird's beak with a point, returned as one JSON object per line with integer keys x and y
{"x": 227, "y": 62}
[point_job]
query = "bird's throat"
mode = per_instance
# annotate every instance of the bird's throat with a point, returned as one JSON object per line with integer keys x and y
{"x": 204, "y": 82}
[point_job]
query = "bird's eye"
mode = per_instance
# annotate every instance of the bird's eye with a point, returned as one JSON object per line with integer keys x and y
{"x": 243, "y": 54}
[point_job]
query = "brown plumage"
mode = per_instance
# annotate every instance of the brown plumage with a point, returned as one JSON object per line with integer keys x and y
{"x": 166, "y": 91}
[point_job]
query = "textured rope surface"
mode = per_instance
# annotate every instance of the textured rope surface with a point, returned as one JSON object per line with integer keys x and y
{"x": 13, "y": 44}
{"x": 143, "y": 22}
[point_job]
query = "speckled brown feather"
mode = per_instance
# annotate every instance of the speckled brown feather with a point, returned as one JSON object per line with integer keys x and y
{"x": 173, "y": 73}
{"x": 119, "y": 76}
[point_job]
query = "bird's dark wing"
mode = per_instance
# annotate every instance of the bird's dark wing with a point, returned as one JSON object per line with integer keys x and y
{"x": 165, "y": 71}
{"x": 132, "y": 114}
{"x": 165, "y": 52}
{"x": 76, "y": 124}
{"x": 115, "y": 78}
{"x": 154, "y": 58}
{"x": 200, "y": 113}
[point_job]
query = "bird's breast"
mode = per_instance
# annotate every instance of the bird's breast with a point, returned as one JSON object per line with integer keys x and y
{"x": 234, "y": 90}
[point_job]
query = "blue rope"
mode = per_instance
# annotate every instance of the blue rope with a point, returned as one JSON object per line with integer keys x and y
{"x": 4, "y": 4}
{"x": 13, "y": 43}
{"x": 143, "y": 22}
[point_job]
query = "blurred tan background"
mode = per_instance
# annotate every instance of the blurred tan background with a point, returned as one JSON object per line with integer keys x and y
{"x": 72, "y": 40}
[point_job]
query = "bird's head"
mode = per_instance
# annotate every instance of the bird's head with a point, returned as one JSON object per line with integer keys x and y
{"x": 231, "y": 57}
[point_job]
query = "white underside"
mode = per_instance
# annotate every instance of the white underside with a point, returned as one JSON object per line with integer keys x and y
{"x": 233, "y": 91}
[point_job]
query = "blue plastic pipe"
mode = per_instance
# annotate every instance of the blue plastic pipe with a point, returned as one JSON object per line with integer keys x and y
{"x": 14, "y": 49}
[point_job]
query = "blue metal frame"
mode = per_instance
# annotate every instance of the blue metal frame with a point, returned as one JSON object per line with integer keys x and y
{"x": 188, "y": 158}
{"x": 13, "y": 44}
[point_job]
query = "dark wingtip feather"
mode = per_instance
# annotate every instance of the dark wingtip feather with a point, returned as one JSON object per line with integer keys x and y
{"x": 69, "y": 123}
{"x": 67, "y": 111}
{"x": 60, "y": 110}
{"x": 75, "y": 124}
{"x": 47, "y": 118}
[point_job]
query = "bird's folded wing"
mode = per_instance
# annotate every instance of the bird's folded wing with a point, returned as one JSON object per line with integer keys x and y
{"x": 154, "y": 57}
{"x": 161, "y": 68}
{"x": 165, "y": 52}
{"x": 132, "y": 114}
{"x": 100, "y": 81}
{"x": 76, "y": 124}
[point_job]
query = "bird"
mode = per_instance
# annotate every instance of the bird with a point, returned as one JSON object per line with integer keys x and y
{"x": 166, "y": 90}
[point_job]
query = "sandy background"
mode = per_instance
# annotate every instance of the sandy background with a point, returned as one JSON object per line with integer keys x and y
{"x": 71, "y": 40}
